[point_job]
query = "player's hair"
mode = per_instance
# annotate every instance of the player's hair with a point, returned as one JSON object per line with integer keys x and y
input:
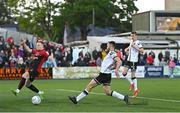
{"x": 39, "y": 41}
{"x": 134, "y": 32}
{"x": 112, "y": 43}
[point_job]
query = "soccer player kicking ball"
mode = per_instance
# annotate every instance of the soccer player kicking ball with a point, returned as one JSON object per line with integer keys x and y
{"x": 40, "y": 56}
{"x": 104, "y": 76}
{"x": 133, "y": 51}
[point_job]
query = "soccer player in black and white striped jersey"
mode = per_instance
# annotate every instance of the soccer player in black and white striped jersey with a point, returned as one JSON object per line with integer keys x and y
{"x": 104, "y": 77}
{"x": 135, "y": 48}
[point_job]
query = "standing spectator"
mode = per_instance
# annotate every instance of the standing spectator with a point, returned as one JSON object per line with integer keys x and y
{"x": 81, "y": 54}
{"x": 28, "y": 43}
{"x": 1, "y": 61}
{"x": 103, "y": 53}
{"x": 160, "y": 56}
{"x": 142, "y": 61}
{"x": 87, "y": 58}
{"x": 12, "y": 60}
{"x": 95, "y": 54}
{"x": 2, "y": 58}
{"x": 63, "y": 63}
{"x": 98, "y": 61}
{"x": 88, "y": 55}
{"x": 28, "y": 62}
{"x": 2, "y": 43}
{"x": 69, "y": 57}
{"x": 21, "y": 52}
{"x": 167, "y": 55}
{"x": 58, "y": 54}
{"x": 150, "y": 60}
{"x": 152, "y": 54}
{"x": 145, "y": 57}
{"x": 171, "y": 65}
{"x": 50, "y": 62}
{"x": 80, "y": 61}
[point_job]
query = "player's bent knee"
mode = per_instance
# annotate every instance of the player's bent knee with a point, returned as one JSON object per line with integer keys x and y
{"x": 89, "y": 87}
{"x": 28, "y": 84}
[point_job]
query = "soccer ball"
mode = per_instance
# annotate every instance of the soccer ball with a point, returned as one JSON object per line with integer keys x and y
{"x": 36, "y": 100}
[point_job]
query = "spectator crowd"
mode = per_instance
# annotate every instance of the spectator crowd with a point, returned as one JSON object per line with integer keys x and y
{"x": 15, "y": 56}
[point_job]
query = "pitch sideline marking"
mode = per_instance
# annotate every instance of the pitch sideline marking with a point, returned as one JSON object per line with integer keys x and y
{"x": 147, "y": 98}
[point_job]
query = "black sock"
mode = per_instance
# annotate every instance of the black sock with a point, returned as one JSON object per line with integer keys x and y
{"x": 21, "y": 83}
{"x": 85, "y": 92}
{"x": 33, "y": 88}
{"x": 133, "y": 78}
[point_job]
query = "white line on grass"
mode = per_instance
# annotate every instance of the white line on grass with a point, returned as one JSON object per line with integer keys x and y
{"x": 147, "y": 98}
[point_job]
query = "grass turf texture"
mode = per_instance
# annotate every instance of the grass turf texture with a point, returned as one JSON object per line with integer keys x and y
{"x": 57, "y": 100}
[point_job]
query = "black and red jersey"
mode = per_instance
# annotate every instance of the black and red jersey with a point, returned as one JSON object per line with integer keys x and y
{"x": 40, "y": 57}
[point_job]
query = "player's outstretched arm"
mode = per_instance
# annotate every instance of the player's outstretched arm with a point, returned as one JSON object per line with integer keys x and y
{"x": 23, "y": 43}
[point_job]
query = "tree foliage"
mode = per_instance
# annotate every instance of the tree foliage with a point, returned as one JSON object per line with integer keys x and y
{"x": 5, "y": 13}
{"x": 46, "y": 18}
{"x": 36, "y": 16}
{"x": 111, "y": 13}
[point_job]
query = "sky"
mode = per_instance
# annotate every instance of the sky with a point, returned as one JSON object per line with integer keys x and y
{"x": 146, "y": 5}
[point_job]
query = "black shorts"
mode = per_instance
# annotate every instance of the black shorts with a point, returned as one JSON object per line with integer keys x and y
{"x": 33, "y": 73}
{"x": 103, "y": 78}
{"x": 131, "y": 65}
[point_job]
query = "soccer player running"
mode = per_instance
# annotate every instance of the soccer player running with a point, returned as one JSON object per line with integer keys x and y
{"x": 133, "y": 51}
{"x": 104, "y": 77}
{"x": 40, "y": 56}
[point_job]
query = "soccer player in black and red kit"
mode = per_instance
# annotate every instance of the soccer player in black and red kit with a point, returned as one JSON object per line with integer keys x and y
{"x": 40, "y": 56}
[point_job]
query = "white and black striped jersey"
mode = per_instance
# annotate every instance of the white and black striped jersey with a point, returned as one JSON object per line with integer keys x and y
{"x": 133, "y": 53}
{"x": 106, "y": 66}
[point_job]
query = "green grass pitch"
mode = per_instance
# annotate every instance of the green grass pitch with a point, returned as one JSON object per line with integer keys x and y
{"x": 161, "y": 95}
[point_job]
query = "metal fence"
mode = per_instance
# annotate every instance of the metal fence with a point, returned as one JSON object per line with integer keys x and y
{"x": 17, "y": 36}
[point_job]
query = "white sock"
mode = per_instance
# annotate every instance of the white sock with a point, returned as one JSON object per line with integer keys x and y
{"x": 135, "y": 84}
{"x": 40, "y": 92}
{"x": 17, "y": 91}
{"x": 81, "y": 95}
{"x": 129, "y": 79}
{"x": 117, "y": 95}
